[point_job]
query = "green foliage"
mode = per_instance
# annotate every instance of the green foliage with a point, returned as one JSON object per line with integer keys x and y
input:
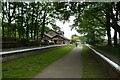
{"x": 32, "y": 18}
{"x": 23, "y": 42}
{"x": 86, "y": 24}
{"x": 75, "y": 38}
{"x": 29, "y": 19}
{"x": 51, "y": 42}
{"x": 35, "y": 43}
{"x": 9, "y": 39}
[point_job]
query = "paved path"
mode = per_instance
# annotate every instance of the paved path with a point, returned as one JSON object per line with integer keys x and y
{"x": 67, "y": 67}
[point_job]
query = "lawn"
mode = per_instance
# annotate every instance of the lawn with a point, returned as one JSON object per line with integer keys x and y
{"x": 29, "y": 66}
{"x": 91, "y": 67}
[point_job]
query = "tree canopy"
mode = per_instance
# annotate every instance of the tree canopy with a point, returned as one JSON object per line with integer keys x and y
{"x": 31, "y": 19}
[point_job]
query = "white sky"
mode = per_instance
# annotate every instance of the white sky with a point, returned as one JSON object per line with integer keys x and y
{"x": 112, "y": 33}
{"x": 65, "y": 27}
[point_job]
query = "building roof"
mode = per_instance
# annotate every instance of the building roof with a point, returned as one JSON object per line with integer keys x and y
{"x": 48, "y": 35}
{"x": 57, "y": 34}
{"x": 61, "y": 37}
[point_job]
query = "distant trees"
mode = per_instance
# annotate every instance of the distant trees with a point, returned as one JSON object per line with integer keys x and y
{"x": 75, "y": 38}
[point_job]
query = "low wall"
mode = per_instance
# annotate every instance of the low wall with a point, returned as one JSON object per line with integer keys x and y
{"x": 19, "y": 54}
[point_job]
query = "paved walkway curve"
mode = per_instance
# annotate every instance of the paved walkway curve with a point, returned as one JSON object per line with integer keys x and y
{"x": 68, "y": 66}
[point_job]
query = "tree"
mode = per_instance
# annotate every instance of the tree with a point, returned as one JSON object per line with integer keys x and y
{"x": 3, "y": 13}
{"x": 10, "y": 15}
{"x": 97, "y": 11}
{"x": 75, "y": 38}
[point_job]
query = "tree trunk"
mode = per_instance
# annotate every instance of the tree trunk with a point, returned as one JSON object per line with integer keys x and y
{"x": 37, "y": 34}
{"x": 15, "y": 34}
{"x": 114, "y": 18}
{"x": 9, "y": 22}
{"x": 119, "y": 38}
{"x": 114, "y": 24}
{"x": 19, "y": 36}
{"x": 32, "y": 24}
{"x": 27, "y": 30}
{"x": 22, "y": 19}
{"x": 9, "y": 28}
{"x": 109, "y": 35}
{"x": 108, "y": 28}
{"x": 36, "y": 25}
{"x": 3, "y": 21}
{"x": 35, "y": 28}
{"x": 43, "y": 26}
{"x": 115, "y": 38}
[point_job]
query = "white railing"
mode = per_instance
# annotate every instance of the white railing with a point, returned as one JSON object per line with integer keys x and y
{"x": 113, "y": 64}
{"x": 30, "y": 49}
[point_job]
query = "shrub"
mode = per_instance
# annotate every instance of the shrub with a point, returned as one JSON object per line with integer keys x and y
{"x": 9, "y": 39}
{"x": 45, "y": 42}
{"x": 23, "y": 42}
{"x": 51, "y": 42}
{"x": 35, "y": 43}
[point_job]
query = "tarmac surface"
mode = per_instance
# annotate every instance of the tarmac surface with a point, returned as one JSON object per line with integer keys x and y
{"x": 68, "y": 66}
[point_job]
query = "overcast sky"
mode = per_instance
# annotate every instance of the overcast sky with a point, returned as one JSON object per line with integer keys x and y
{"x": 67, "y": 30}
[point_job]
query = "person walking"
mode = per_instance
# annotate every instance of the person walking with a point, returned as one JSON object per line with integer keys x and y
{"x": 76, "y": 44}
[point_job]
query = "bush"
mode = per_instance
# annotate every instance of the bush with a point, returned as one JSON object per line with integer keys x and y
{"x": 45, "y": 42}
{"x": 23, "y": 42}
{"x": 19, "y": 42}
{"x": 9, "y": 39}
{"x": 35, "y": 43}
{"x": 51, "y": 42}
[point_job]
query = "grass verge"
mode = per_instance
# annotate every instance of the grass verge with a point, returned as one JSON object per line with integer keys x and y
{"x": 112, "y": 53}
{"x": 29, "y": 66}
{"x": 91, "y": 67}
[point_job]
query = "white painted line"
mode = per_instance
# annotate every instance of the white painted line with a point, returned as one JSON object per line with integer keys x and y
{"x": 116, "y": 66}
{"x": 30, "y": 49}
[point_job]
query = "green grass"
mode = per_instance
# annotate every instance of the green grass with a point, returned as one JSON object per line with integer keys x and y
{"x": 110, "y": 50}
{"x": 91, "y": 67}
{"x": 112, "y": 53}
{"x": 29, "y": 66}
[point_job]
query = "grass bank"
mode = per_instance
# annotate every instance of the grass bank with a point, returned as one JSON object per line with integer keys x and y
{"x": 112, "y": 53}
{"x": 29, "y": 66}
{"x": 91, "y": 67}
